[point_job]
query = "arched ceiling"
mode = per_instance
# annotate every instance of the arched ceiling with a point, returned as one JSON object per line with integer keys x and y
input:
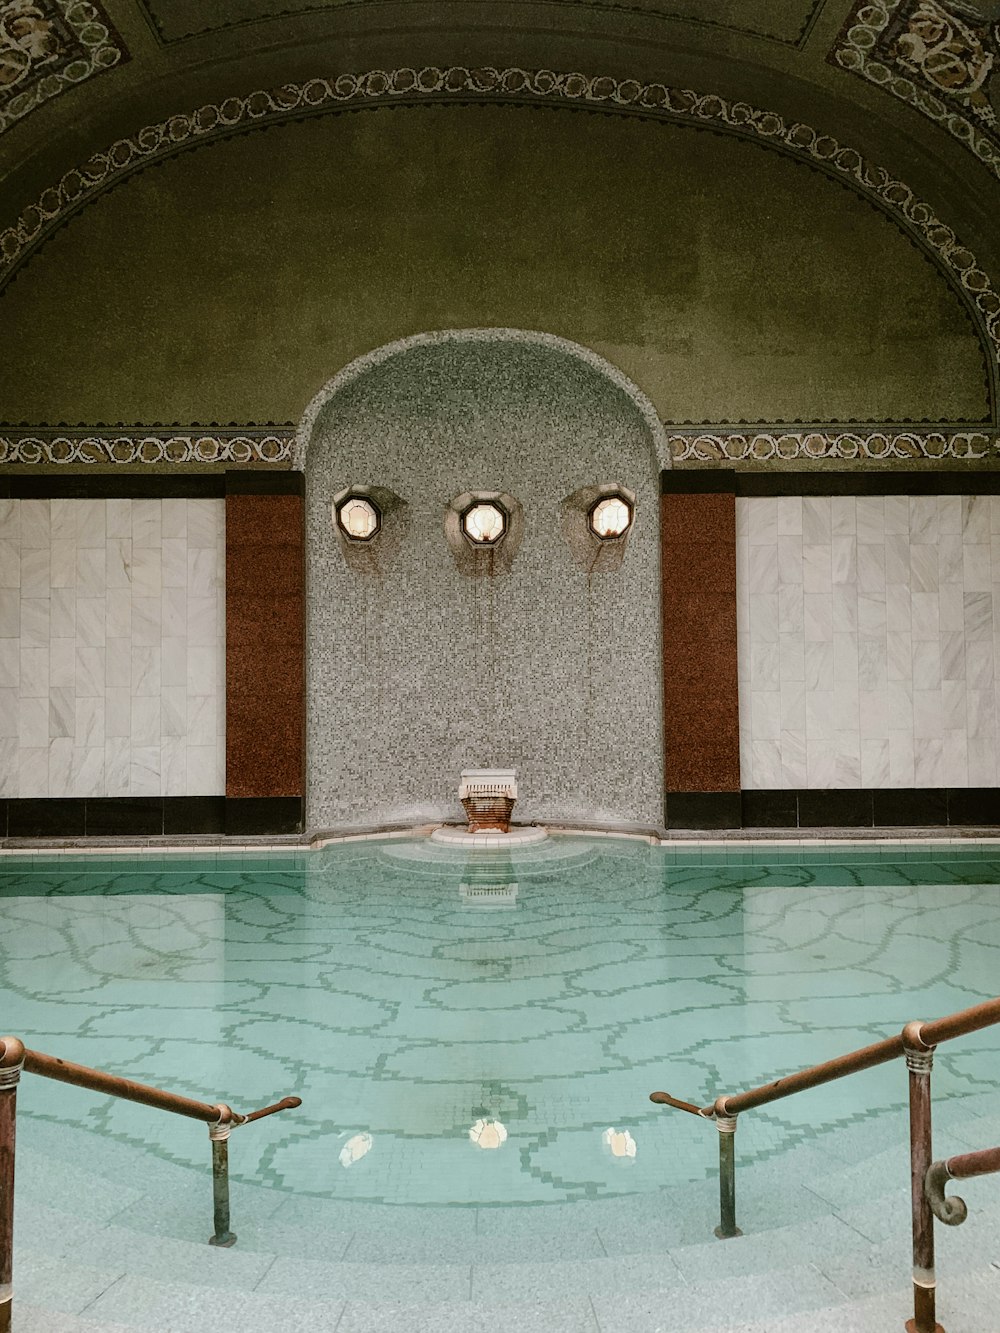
{"x": 913, "y": 83}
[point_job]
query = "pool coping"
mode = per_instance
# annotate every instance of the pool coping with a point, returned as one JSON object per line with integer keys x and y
{"x": 315, "y": 840}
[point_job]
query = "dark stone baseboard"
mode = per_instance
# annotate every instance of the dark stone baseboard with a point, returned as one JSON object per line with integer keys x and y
{"x": 148, "y": 816}
{"x": 884, "y": 807}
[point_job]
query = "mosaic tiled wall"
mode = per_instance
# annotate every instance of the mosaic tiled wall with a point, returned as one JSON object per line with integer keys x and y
{"x": 869, "y": 637}
{"x": 112, "y": 665}
{"x": 416, "y": 668}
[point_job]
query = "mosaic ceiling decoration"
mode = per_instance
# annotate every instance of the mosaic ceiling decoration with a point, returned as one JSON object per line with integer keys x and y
{"x": 159, "y": 141}
{"x": 47, "y": 46}
{"x": 247, "y": 447}
{"x": 941, "y": 56}
{"x": 785, "y": 21}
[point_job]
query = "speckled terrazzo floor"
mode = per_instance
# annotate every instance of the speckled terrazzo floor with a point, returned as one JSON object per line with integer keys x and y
{"x": 410, "y": 995}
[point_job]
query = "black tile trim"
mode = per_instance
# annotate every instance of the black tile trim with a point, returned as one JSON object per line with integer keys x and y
{"x": 702, "y": 809}
{"x": 704, "y": 481}
{"x": 112, "y": 486}
{"x": 250, "y": 816}
{"x": 882, "y": 807}
{"x": 112, "y": 816}
{"x": 263, "y": 482}
{"x": 699, "y": 481}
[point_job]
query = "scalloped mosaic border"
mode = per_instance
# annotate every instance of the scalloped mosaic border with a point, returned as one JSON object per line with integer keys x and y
{"x": 146, "y": 448}
{"x": 92, "y": 45}
{"x": 696, "y": 446}
{"x": 863, "y": 48}
{"x": 770, "y": 446}
{"x": 156, "y": 142}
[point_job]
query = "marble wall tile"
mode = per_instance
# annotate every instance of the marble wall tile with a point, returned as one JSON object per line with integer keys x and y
{"x": 789, "y": 517}
{"x": 8, "y": 766}
{"x": 10, "y": 663}
{"x": 10, "y": 562}
{"x": 91, "y": 524}
{"x": 35, "y": 531}
{"x": 887, "y": 674}
{"x": 976, "y": 518}
{"x": 95, "y": 690}
{"x": 871, "y": 517}
{"x": 10, "y": 703}
{"x": 817, "y": 565}
{"x": 35, "y": 572}
{"x": 10, "y": 613}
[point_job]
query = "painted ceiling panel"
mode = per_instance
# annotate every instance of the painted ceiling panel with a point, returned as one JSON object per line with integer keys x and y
{"x": 940, "y": 56}
{"x": 785, "y": 21}
{"x": 47, "y": 46}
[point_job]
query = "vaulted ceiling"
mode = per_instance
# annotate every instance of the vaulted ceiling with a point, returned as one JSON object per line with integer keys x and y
{"x": 913, "y": 84}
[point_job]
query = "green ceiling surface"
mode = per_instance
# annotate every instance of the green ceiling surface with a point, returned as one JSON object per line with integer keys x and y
{"x": 785, "y": 21}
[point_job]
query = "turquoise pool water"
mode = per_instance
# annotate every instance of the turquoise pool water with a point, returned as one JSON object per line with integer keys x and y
{"x": 486, "y": 1031}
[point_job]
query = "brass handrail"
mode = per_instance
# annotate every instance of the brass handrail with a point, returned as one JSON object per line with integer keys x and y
{"x": 220, "y": 1118}
{"x": 865, "y": 1057}
{"x": 917, "y": 1042}
{"x": 952, "y": 1211}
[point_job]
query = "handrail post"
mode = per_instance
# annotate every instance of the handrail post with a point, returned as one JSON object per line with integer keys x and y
{"x": 919, "y": 1062}
{"x": 219, "y": 1136}
{"x": 726, "y": 1125}
{"x": 11, "y": 1064}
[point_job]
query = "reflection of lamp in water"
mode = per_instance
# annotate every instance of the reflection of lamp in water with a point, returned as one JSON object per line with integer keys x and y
{"x": 488, "y": 1134}
{"x": 355, "y": 1148}
{"x": 620, "y": 1142}
{"x": 489, "y": 882}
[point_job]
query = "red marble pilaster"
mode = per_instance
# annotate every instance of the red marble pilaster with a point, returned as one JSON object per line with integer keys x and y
{"x": 265, "y": 645}
{"x": 701, "y": 724}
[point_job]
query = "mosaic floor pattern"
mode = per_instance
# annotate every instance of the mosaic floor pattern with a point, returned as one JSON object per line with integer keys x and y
{"x": 484, "y": 1031}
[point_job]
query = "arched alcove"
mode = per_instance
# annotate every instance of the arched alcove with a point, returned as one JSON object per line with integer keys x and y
{"x": 419, "y": 666}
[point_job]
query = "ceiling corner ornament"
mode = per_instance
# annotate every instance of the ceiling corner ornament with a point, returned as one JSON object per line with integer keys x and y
{"x": 47, "y": 46}
{"x": 83, "y": 447}
{"x": 833, "y": 444}
{"x": 235, "y": 114}
{"x": 940, "y": 56}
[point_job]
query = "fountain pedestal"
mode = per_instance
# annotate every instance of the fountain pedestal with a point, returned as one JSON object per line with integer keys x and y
{"x": 488, "y": 796}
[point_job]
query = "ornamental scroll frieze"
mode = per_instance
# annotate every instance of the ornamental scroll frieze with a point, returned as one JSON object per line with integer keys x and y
{"x": 146, "y": 448}
{"x": 706, "y": 446}
{"x": 781, "y": 446}
{"x": 47, "y": 46}
{"x": 941, "y": 56}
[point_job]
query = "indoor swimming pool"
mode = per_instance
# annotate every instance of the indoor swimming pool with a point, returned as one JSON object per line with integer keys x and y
{"x": 474, "y": 1039}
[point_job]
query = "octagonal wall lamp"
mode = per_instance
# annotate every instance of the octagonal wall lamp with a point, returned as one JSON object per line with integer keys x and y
{"x": 484, "y": 530}
{"x": 369, "y": 523}
{"x": 596, "y": 523}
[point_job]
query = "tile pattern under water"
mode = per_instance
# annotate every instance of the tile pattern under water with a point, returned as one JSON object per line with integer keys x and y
{"x": 369, "y": 980}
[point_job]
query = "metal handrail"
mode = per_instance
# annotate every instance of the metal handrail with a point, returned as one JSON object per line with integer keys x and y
{"x": 220, "y": 1118}
{"x": 952, "y": 1211}
{"x": 917, "y": 1043}
{"x": 927, "y": 1035}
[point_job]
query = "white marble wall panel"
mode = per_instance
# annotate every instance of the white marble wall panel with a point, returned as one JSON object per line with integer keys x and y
{"x": 112, "y": 648}
{"x": 869, "y": 641}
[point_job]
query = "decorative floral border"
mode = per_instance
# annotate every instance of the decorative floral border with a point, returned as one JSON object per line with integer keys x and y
{"x": 712, "y": 445}
{"x": 146, "y": 447}
{"x": 153, "y": 143}
{"x": 889, "y": 446}
{"x": 861, "y": 48}
{"x": 99, "y": 47}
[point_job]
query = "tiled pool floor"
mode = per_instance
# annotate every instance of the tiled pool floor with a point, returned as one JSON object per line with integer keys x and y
{"x": 409, "y": 997}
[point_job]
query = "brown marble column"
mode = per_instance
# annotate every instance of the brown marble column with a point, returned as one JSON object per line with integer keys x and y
{"x": 265, "y": 652}
{"x": 700, "y": 678}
